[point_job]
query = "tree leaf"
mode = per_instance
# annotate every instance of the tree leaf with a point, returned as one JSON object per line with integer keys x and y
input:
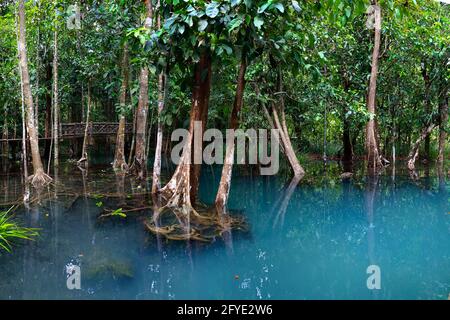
{"x": 212, "y": 9}
{"x": 258, "y": 22}
{"x": 280, "y": 7}
{"x": 235, "y": 23}
{"x": 202, "y": 24}
{"x": 264, "y": 7}
{"x": 296, "y": 6}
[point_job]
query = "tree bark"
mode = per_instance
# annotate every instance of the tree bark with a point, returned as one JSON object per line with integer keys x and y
{"x": 372, "y": 147}
{"x": 443, "y": 125}
{"x": 39, "y": 178}
{"x": 427, "y": 103}
{"x": 283, "y": 131}
{"x": 38, "y": 67}
{"x": 156, "y": 183}
{"x": 346, "y": 137}
{"x": 139, "y": 166}
{"x": 48, "y": 111}
{"x": 133, "y": 139}
{"x": 203, "y": 84}
{"x": 5, "y": 149}
{"x": 84, "y": 160}
{"x": 120, "y": 163}
{"x": 225, "y": 180}
{"x": 55, "y": 96}
{"x": 177, "y": 191}
{"x": 414, "y": 152}
{"x": 139, "y": 163}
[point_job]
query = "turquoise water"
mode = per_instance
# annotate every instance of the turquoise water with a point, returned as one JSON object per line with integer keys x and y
{"x": 311, "y": 240}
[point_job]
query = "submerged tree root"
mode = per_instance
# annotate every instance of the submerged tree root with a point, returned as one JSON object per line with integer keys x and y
{"x": 39, "y": 179}
{"x": 204, "y": 224}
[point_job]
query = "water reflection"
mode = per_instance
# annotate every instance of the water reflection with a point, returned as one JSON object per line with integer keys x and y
{"x": 308, "y": 239}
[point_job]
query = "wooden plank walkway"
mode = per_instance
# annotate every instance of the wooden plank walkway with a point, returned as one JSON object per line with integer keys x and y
{"x": 76, "y": 130}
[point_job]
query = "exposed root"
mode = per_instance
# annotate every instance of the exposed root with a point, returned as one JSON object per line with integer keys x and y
{"x": 205, "y": 226}
{"x": 138, "y": 169}
{"x": 39, "y": 179}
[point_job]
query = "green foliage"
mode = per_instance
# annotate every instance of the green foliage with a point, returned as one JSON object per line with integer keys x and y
{"x": 10, "y": 231}
{"x": 322, "y": 48}
{"x": 118, "y": 213}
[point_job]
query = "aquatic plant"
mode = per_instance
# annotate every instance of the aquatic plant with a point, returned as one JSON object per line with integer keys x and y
{"x": 115, "y": 213}
{"x": 10, "y": 230}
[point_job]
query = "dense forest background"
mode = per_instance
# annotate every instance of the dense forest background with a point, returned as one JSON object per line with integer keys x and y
{"x": 343, "y": 80}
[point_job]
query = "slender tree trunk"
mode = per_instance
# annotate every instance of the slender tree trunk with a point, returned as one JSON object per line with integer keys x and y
{"x": 414, "y": 152}
{"x": 139, "y": 163}
{"x": 5, "y": 149}
{"x": 26, "y": 193}
{"x": 84, "y": 160}
{"x": 156, "y": 182}
{"x": 133, "y": 139}
{"x": 283, "y": 131}
{"x": 372, "y": 147}
{"x": 443, "y": 125}
{"x": 55, "y": 96}
{"x": 39, "y": 177}
{"x": 427, "y": 104}
{"x": 225, "y": 180}
{"x": 346, "y": 137}
{"x": 346, "y": 140}
{"x": 139, "y": 166}
{"x": 119, "y": 159}
{"x": 38, "y": 67}
{"x": 48, "y": 111}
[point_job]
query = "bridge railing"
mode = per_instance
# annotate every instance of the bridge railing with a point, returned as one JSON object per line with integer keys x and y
{"x": 71, "y": 130}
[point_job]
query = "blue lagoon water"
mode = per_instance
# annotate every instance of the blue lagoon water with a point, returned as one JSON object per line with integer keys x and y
{"x": 311, "y": 240}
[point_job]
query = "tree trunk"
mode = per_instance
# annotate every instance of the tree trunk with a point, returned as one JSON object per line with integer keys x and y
{"x": 26, "y": 194}
{"x": 283, "y": 131}
{"x": 372, "y": 147}
{"x": 48, "y": 111}
{"x": 414, "y": 152}
{"x": 427, "y": 103}
{"x": 177, "y": 191}
{"x": 346, "y": 137}
{"x": 203, "y": 83}
{"x": 156, "y": 183}
{"x": 225, "y": 180}
{"x": 5, "y": 149}
{"x": 133, "y": 139}
{"x": 119, "y": 158}
{"x": 139, "y": 163}
{"x": 84, "y": 160}
{"x": 139, "y": 166}
{"x": 346, "y": 140}
{"x": 39, "y": 178}
{"x": 55, "y": 97}
{"x": 443, "y": 124}
{"x": 38, "y": 67}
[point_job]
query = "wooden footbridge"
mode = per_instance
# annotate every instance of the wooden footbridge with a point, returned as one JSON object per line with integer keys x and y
{"x": 76, "y": 130}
